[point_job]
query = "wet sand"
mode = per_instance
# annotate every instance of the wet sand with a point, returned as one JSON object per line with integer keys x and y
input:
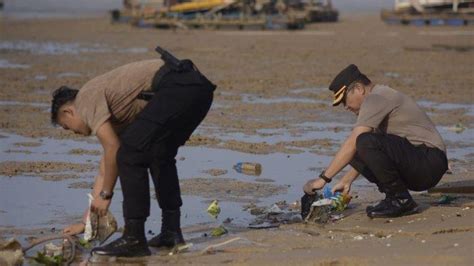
{"x": 271, "y": 105}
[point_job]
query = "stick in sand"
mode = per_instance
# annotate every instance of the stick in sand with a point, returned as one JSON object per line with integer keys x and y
{"x": 211, "y": 247}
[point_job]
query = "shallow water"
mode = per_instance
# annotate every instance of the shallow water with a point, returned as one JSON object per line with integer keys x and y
{"x": 469, "y": 108}
{"x": 7, "y": 64}
{"x": 29, "y": 202}
{"x": 56, "y": 48}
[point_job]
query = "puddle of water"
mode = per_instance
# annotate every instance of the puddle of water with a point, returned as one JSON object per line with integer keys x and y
{"x": 254, "y": 99}
{"x": 49, "y": 150}
{"x": 41, "y": 77}
{"x": 461, "y": 139}
{"x": 308, "y": 90}
{"x": 68, "y": 75}
{"x": 6, "y": 64}
{"x": 447, "y": 106}
{"x": 134, "y": 50}
{"x": 296, "y": 132}
{"x": 55, "y": 48}
{"x": 35, "y": 104}
{"x": 29, "y": 202}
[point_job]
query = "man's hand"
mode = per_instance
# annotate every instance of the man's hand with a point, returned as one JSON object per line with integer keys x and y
{"x": 100, "y": 206}
{"x": 74, "y": 229}
{"x": 342, "y": 186}
{"x": 314, "y": 184}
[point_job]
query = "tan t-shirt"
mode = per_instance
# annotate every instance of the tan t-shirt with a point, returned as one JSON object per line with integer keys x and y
{"x": 113, "y": 95}
{"x": 393, "y": 112}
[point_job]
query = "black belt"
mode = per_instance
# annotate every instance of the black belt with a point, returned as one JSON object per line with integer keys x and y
{"x": 186, "y": 66}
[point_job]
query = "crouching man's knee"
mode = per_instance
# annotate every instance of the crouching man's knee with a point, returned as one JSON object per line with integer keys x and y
{"x": 365, "y": 142}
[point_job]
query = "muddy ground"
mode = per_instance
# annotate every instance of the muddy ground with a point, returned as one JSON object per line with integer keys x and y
{"x": 271, "y": 98}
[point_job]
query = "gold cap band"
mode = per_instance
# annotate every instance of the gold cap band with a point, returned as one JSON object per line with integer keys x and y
{"x": 339, "y": 95}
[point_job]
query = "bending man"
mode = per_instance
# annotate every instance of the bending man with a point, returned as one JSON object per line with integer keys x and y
{"x": 138, "y": 132}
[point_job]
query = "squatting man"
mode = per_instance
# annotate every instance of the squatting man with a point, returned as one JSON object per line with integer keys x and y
{"x": 141, "y": 113}
{"x": 393, "y": 144}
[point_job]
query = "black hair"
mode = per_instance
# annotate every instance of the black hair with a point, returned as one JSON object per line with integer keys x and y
{"x": 61, "y": 96}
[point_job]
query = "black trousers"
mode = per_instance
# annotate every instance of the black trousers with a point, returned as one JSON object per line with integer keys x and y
{"x": 151, "y": 142}
{"x": 390, "y": 160}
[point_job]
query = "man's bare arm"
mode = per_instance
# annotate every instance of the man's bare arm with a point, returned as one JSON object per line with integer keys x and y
{"x": 342, "y": 158}
{"x": 110, "y": 142}
{"x": 346, "y": 152}
{"x": 99, "y": 179}
{"x": 78, "y": 228}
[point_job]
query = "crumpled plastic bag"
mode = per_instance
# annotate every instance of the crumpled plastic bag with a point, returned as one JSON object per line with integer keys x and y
{"x": 99, "y": 228}
{"x": 213, "y": 210}
{"x": 10, "y": 252}
{"x": 306, "y": 202}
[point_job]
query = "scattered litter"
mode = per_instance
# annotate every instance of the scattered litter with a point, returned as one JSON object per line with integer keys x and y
{"x": 213, "y": 210}
{"x": 371, "y": 235}
{"x": 257, "y": 211}
{"x": 467, "y": 208}
{"x": 51, "y": 254}
{"x": 180, "y": 248}
{"x": 248, "y": 168}
{"x": 219, "y": 231}
{"x": 358, "y": 238}
{"x": 228, "y": 220}
{"x": 456, "y": 244}
{"x": 389, "y": 236}
{"x": 215, "y": 172}
{"x": 10, "y": 252}
{"x": 85, "y": 244}
{"x": 295, "y": 206}
{"x": 336, "y": 217}
{"x": 423, "y": 241}
{"x": 457, "y": 128}
{"x": 42, "y": 258}
{"x": 274, "y": 210}
{"x": 458, "y": 214}
{"x": 450, "y": 169}
{"x": 389, "y": 221}
{"x": 320, "y": 210}
{"x": 388, "y": 245}
{"x": 392, "y": 74}
{"x": 210, "y": 249}
{"x": 264, "y": 225}
{"x": 41, "y": 77}
{"x": 400, "y": 230}
{"x": 446, "y": 199}
{"x": 52, "y": 250}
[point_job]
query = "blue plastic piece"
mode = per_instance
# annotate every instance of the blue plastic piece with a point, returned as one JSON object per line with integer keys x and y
{"x": 455, "y": 22}
{"x": 417, "y": 22}
{"x": 437, "y": 22}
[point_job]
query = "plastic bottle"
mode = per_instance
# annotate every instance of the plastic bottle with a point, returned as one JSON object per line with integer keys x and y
{"x": 248, "y": 168}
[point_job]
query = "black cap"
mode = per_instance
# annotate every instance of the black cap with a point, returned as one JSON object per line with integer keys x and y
{"x": 342, "y": 81}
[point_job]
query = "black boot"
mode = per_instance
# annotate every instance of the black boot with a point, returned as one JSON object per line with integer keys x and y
{"x": 394, "y": 205}
{"x": 381, "y": 203}
{"x": 131, "y": 244}
{"x": 170, "y": 235}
